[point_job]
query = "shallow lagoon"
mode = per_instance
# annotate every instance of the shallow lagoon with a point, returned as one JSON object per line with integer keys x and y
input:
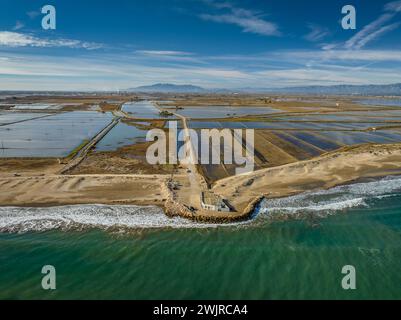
{"x": 316, "y": 142}
{"x": 53, "y": 136}
{"x": 143, "y": 110}
{"x": 8, "y": 117}
{"x": 283, "y": 125}
{"x": 348, "y": 117}
{"x": 40, "y": 106}
{"x": 352, "y": 138}
{"x": 210, "y": 112}
{"x": 381, "y": 102}
{"x": 121, "y": 135}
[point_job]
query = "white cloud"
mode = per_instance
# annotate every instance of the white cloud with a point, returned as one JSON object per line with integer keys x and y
{"x": 33, "y": 14}
{"x": 163, "y": 53}
{"x": 394, "y": 6}
{"x": 222, "y": 73}
{"x": 317, "y": 33}
{"x": 377, "y": 28}
{"x": 376, "y": 34}
{"x": 329, "y": 46}
{"x": 168, "y": 56}
{"x": 369, "y": 32}
{"x": 16, "y": 39}
{"x": 372, "y": 31}
{"x": 330, "y": 75}
{"x": 93, "y": 71}
{"x": 248, "y": 20}
{"x": 343, "y": 55}
{"x": 18, "y": 25}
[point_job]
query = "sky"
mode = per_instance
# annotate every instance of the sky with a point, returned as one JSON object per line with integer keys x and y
{"x": 120, "y": 44}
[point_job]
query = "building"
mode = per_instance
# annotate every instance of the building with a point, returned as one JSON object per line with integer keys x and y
{"x": 212, "y": 202}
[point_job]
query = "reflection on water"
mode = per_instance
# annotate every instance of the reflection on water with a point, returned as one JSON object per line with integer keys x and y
{"x": 39, "y": 106}
{"x": 381, "y": 102}
{"x": 285, "y": 125}
{"x": 299, "y": 140}
{"x": 209, "y": 112}
{"x": 53, "y": 136}
{"x": 121, "y": 135}
{"x": 142, "y": 110}
{"x": 11, "y": 117}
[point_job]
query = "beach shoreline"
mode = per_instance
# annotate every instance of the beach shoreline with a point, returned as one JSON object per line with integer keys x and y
{"x": 243, "y": 192}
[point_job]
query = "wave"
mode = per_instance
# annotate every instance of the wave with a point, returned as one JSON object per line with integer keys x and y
{"x": 130, "y": 217}
{"x": 333, "y": 200}
{"x": 334, "y": 206}
{"x": 78, "y": 217}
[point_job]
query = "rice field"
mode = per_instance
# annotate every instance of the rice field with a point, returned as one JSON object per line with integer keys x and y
{"x": 217, "y": 112}
{"x": 142, "y": 110}
{"x": 39, "y": 106}
{"x": 51, "y": 136}
{"x": 381, "y": 102}
{"x": 8, "y": 117}
{"x": 284, "y": 140}
{"x": 121, "y": 135}
{"x": 280, "y": 138}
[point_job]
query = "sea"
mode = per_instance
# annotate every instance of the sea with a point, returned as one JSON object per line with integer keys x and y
{"x": 292, "y": 248}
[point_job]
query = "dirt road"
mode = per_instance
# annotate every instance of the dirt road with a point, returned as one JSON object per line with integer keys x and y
{"x": 84, "y": 151}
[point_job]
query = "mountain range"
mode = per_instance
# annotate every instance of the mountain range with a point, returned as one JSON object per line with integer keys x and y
{"x": 389, "y": 89}
{"x": 169, "y": 88}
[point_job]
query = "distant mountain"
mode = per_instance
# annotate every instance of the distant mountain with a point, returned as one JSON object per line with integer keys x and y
{"x": 385, "y": 90}
{"x": 168, "y": 88}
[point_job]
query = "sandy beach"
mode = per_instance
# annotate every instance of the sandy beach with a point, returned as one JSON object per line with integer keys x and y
{"x": 242, "y": 192}
{"x": 83, "y": 189}
{"x": 329, "y": 170}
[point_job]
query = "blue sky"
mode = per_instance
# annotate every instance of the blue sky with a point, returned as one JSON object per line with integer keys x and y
{"x": 112, "y": 45}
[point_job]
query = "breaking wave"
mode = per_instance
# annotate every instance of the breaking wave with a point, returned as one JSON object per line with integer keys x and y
{"x": 327, "y": 202}
{"x": 122, "y": 218}
{"x": 78, "y": 217}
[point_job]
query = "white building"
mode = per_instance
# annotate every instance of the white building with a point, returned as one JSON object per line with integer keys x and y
{"x": 212, "y": 202}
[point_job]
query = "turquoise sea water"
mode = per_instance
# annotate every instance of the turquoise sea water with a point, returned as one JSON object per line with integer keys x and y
{"x": 103, "y": 252}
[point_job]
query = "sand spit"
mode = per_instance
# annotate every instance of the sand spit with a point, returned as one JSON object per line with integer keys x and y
{"x": 243, "y": 192}
{"x": 81, "y": 189}
{"x": 329, "y": 170}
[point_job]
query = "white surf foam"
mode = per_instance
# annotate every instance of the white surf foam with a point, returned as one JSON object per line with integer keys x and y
{"x": 335, "y": 199}
{"x": 16, "y": 219}
{"x": 77, "y": 217}
{"x": 334, "y": 206}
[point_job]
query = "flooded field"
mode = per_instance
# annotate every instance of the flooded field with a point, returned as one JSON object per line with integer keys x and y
{"x": 122, "y": 135}
{"x": 280, "y": 137}
{"x": 8, "y": 117}
{"x": 383, "y": 116}
{"x": 275, "y": 148}
{"x": 143, "y": 110}
{"x": 381, "y": 102}
{"x": 52, "y": 136}
{"x": 375, "y": 113}
{"x": 290, "y": 138}
{"x": 215, "y": 112}
{"x": 39, "y": 106}
{"x": 286, "y": 125}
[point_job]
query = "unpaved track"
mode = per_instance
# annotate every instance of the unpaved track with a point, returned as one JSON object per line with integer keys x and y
{"x": 83, "y": 189}
{"x": 84, "y": 151}
{"x": 25, "y": 120}
{"x": 197, "y": 182}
